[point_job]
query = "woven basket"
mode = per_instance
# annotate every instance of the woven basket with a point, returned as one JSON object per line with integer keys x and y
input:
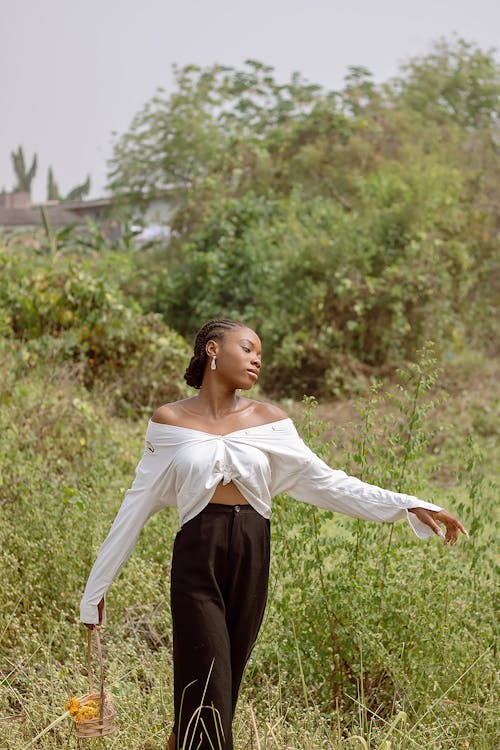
{"x": 104, "y": 723}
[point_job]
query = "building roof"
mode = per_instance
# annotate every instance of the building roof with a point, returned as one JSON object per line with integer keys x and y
{"x": 88, "y": 203}
{"x": 58, "y": 216}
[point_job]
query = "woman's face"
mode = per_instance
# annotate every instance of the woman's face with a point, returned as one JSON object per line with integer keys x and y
{"x": 238, "y": 357}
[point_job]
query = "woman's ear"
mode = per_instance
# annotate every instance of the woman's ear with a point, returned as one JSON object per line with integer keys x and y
{"x": 211, "y": 348}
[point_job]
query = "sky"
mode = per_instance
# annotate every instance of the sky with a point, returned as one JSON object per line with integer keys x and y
{"x": 73, "y": 72}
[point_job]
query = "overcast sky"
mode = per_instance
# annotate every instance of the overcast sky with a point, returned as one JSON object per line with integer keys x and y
{"x": 74, "y": 71}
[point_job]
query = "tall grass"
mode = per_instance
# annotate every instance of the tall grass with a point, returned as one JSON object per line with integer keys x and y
{"x": 372, "y": 639}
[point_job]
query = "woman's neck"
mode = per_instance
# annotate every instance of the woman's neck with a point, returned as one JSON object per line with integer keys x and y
{"x": 216, "y": 402}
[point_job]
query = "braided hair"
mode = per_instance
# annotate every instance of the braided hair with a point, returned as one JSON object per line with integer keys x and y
{"x": 214, "y": 330}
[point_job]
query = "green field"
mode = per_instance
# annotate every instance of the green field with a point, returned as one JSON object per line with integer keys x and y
{"x": 371, "y": 639}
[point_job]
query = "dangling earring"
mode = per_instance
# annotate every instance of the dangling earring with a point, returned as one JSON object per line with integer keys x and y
{"x": 213, "y": 366}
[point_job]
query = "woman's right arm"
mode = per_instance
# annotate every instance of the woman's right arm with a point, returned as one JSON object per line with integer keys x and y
{"x": 148, "y": 494}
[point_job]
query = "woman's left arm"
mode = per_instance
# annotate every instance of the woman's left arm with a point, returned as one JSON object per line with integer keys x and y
{"x": 309, "y": 479}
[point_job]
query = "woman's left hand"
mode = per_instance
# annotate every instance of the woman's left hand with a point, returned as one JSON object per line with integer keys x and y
{"x": 434, "y": 517}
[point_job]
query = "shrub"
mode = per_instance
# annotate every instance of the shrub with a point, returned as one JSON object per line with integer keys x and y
{"x": 63, "y": 311}
{"x": 334, "y": 294}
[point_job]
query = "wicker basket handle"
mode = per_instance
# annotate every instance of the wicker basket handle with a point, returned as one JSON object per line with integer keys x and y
{"x": 95, "y": 630}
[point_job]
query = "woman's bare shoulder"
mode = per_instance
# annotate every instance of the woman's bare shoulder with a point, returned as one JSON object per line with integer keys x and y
{"x": 170, "y": 413}
{"x": 268, "y": 412}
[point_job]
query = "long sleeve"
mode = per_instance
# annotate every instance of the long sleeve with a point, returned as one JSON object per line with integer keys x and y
{"x": 147, "y": 495}
{"x": 311, "y": 480}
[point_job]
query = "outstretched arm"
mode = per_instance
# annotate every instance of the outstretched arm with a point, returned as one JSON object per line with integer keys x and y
{"x": 312, "y": 481}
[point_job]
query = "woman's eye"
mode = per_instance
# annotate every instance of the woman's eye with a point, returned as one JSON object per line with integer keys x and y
{"x": 245, "y": 348}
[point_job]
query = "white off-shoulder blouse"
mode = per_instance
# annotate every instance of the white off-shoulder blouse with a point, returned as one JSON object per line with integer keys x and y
{"x": 181, "y": 467}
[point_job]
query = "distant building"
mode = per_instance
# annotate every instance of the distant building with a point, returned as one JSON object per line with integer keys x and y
{"x": 18, "y": 212}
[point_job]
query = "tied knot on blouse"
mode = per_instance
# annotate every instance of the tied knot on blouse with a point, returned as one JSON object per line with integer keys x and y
{"x": 225, "y": 471}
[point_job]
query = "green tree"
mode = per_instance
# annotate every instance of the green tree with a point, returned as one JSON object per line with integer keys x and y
{"x": 24, "y": 176}
{"x": 347, "y": 226}
{"x": 456, "y": 83}
{"x": 199, "y": 130}
{"x": 53, "y": 193}
{"x": 77, "y": 193}
{"x": 171, "y": 141}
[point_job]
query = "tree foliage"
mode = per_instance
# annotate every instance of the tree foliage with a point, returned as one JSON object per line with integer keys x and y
{"x": 53, "y": 193}
{"x": 79, "y": 192}
{"x": 75, "y": 194}
{"x": 456, "y": 83}
{"x": 348, "y": 226}
{"x": 24, "y": 174}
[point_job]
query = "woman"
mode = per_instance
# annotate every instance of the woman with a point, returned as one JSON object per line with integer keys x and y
{"x": 221, "y": 458}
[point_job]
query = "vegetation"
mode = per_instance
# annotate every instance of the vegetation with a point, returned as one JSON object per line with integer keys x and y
{"x": 63, "y": 309}
{"x": 24, "y": 175}
{"x": 77, "y": 193}
{"x": 369, "y": 633}
{"x": 347, "y": 227}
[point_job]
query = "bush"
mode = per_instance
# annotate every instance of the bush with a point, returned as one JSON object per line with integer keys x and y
{"x": 335, "y": 295}
{"x": 59, "y": 310}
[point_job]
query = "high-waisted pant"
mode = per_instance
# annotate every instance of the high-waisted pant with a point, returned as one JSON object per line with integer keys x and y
{"x": 219, "y": 580}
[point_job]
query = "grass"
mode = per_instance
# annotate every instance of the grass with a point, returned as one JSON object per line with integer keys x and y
{"x": 372, "y": 639}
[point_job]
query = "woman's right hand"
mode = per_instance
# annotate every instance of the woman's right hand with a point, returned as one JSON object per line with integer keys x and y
{"x": 100, "y": 607}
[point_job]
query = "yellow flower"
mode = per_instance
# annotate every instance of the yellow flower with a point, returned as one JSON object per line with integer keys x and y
{"x": 73, "y": 705}
{"x": 88, "y": 711}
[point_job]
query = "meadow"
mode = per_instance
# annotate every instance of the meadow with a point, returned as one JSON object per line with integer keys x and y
{"x": 372, "y": 638}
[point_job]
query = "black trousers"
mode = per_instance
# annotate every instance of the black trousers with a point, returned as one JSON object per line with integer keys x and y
{"x": 219, "y": 580}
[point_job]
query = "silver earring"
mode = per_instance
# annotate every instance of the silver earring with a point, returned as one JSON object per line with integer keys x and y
{"x": 213, "y": 366}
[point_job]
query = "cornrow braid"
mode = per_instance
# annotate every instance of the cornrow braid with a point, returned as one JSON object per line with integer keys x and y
{"x": 213, "y": 330}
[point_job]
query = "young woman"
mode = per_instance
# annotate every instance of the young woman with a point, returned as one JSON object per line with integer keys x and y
{"x": 220, "y": 459}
